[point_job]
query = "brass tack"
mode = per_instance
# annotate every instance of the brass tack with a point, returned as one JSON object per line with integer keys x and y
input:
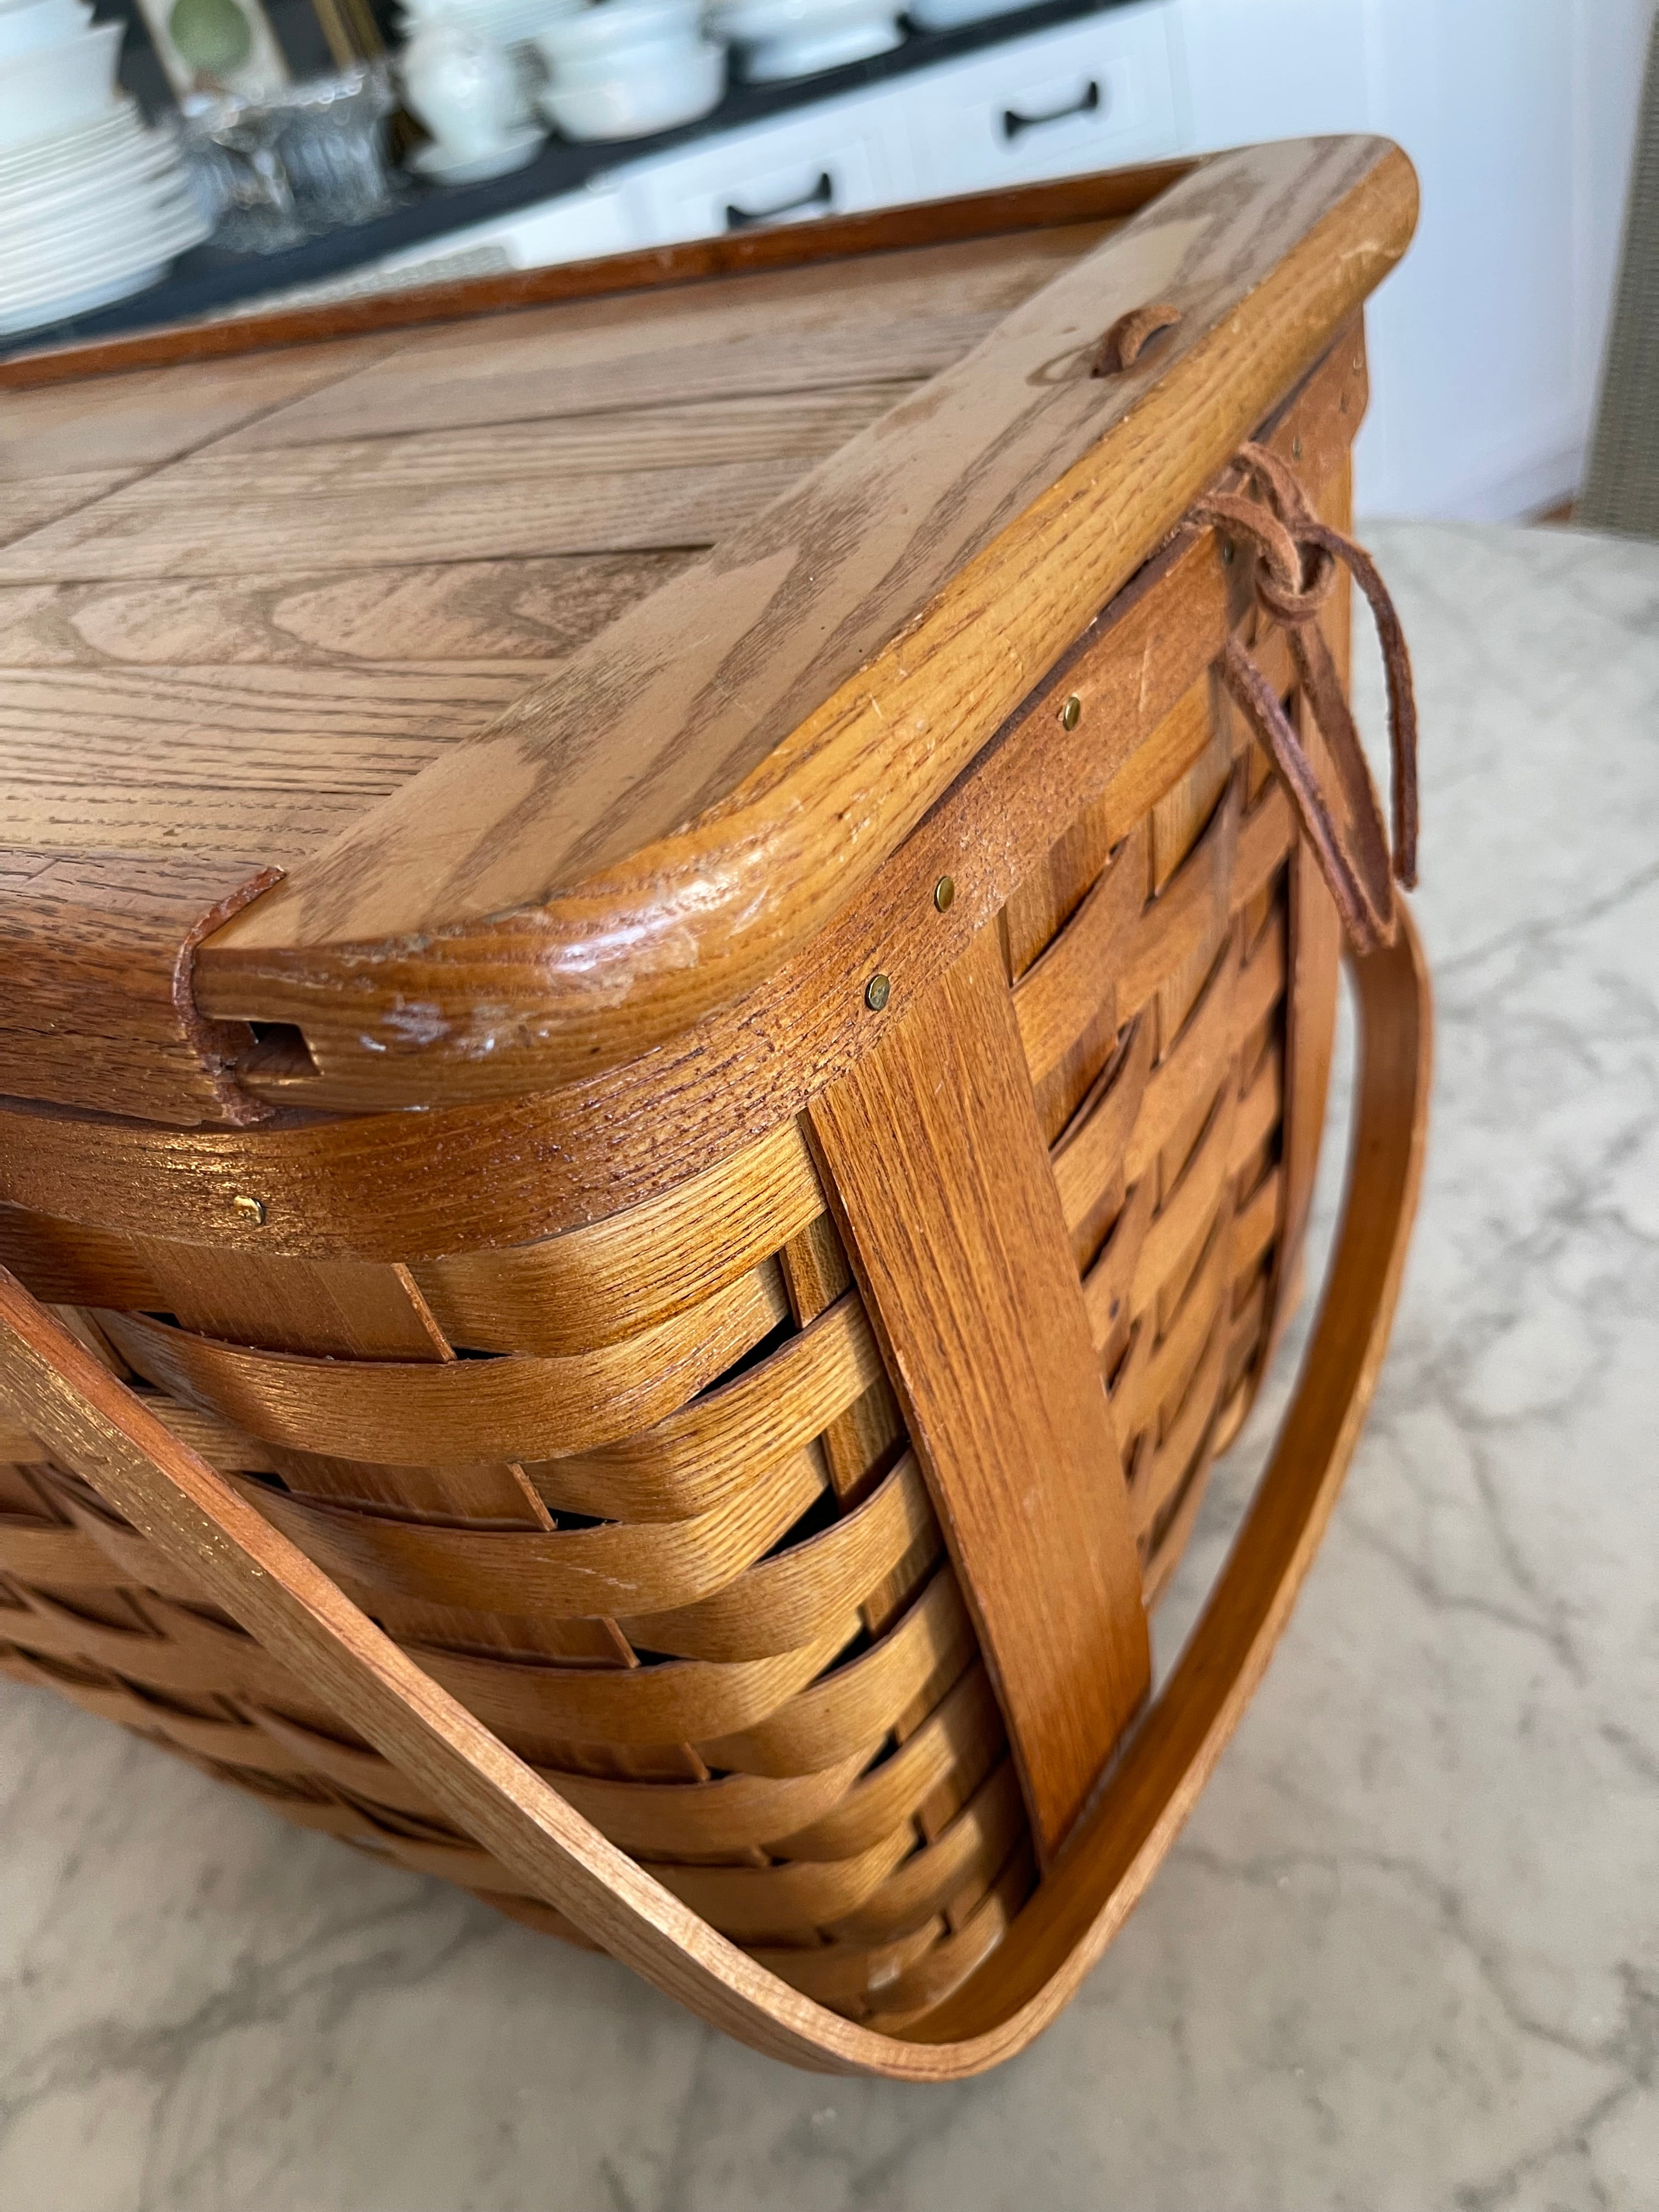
{"x": 875, "y": 992}
{"x": 944, "y": 892}
{"x": 1295, "y": 449}
{"x": 251, "y": 1209}
{"x": 1071, "y": 713}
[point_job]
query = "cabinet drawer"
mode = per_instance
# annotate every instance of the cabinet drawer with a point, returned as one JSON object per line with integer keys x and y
{"x": 832, "y": 162}
{"x": 1086, "y": 97}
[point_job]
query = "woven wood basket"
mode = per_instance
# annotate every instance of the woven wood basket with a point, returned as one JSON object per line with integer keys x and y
{"x": 701, "y": 1488}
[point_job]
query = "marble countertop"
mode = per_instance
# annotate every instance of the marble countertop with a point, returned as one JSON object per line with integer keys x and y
{"x": 1406, "y": 1956}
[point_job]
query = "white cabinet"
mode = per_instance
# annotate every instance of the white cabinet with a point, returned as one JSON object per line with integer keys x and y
{"x": 832, "y": 160}
{"x": 1091, "y": 95}
{"x": 579, "y": 226}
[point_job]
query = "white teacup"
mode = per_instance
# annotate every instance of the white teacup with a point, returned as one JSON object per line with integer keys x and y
{"x": 462, "y": 87}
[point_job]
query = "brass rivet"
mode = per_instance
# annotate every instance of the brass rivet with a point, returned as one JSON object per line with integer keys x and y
{"x": 251, "y": 1209}
{"x": 875, "y": 992}
{"x": 1071, "y": 713}
{"x": 944, "y": 892}
{"x": 1295, "y": 449}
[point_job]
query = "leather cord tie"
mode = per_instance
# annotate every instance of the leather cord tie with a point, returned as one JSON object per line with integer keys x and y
{"x": 1295, "y": 561}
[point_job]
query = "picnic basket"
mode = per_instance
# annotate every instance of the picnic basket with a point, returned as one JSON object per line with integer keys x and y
{"x": 672, "y": 933}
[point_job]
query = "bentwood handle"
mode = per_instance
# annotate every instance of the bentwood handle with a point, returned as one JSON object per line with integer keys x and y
{"x": 93, "y": 1424}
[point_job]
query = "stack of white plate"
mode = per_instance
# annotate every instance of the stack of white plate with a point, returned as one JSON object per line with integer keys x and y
{"x": 92, "y": 205}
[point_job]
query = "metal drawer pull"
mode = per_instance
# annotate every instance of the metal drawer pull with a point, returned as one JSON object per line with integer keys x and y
{"x": 1013, "y": 123}
{"x": 822, "y": 195}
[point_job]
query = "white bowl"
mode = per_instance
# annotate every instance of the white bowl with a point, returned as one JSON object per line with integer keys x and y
{"x": 57, "y": 87}
{"x": 797, "y": 38}
{"x": 41, "y": 23}
{"x": 655, "y": 58}
{"x": 617, "y": 26}
{"x": 519, "y": 148}
{"x": 638, "y": 100}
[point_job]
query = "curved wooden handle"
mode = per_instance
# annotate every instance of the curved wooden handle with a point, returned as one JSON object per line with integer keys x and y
{"x": 95, "y": 1424}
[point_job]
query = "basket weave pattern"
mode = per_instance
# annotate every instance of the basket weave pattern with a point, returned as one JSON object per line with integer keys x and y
{"x": 642, "y": 1495}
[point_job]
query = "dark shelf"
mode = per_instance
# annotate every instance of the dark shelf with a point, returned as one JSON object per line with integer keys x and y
{"x": 209, "y": 277}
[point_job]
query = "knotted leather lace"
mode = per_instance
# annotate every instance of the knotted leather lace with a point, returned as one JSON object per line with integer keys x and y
{"x": 1295, "y": 561}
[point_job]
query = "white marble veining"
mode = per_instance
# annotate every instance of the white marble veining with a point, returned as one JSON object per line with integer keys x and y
{"x": 1407, "y": 1954}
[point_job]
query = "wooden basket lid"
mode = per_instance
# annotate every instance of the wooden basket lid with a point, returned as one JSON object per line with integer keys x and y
{"x": 499, "y": 871}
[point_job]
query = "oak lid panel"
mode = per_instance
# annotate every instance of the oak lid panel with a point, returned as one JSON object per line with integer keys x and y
{"x": 716, "y": 773}
{"x": 694, "y": 706}
{"x": 152, "y": 416}
{"x": 231, "y": 663}
{"x": 250, "y": 760}
{"x": 465, "y": 612}
{"x": 893, "y": 319}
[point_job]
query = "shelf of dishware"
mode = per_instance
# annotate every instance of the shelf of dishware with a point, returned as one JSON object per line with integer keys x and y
{"x": 1088, "y": 94}
{"x": 553, "y": 128}
{"x": 93, "y": 204}
{"x": 488, "y": 78}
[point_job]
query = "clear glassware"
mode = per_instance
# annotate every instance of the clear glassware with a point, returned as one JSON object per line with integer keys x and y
{"x": 308, "y": 159}
{"x": 332, "y": 145}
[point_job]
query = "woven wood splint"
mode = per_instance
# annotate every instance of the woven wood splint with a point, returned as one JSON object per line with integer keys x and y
{"x": 642, "y": 1333}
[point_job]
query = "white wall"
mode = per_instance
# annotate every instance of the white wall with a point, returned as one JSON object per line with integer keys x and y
{"x": 1520, "y": 116}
